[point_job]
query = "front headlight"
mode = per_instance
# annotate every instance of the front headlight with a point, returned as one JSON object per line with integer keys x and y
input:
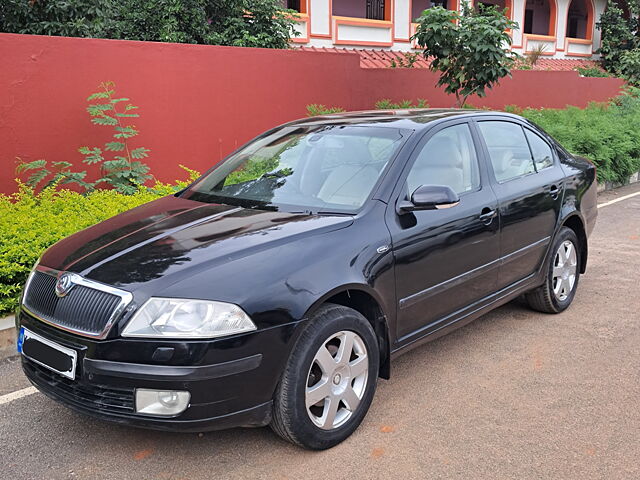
{"x": 185, "y": 318}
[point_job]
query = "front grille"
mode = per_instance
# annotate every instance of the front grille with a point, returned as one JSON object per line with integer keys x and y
{"x": 83, "y": 309}
{"x": 95, "y": 397}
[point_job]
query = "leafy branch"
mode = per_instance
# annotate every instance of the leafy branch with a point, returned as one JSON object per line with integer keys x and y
{"x": 120, "y": 164}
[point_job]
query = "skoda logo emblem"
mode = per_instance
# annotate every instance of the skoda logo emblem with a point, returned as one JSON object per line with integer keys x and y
{"x": 64, "y": 284}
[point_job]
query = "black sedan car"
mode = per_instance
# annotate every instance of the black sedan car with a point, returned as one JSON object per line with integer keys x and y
{"x": 278, "y": 287}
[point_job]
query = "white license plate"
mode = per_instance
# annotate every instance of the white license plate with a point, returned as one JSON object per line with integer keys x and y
{"x": 47, "y": 353}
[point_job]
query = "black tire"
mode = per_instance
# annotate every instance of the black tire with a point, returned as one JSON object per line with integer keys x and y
{"x": 291, "y": 421}
{"x": 543, "y": 298}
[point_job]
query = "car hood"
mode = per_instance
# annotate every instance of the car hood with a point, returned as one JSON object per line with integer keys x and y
{"x": 172, "y": 235}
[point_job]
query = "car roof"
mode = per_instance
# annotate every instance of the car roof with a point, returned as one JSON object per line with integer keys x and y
{"x": 415, "y": 119}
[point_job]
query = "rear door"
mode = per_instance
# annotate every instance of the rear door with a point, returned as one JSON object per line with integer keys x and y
{"x": 528, "y": 182}
{"x": 444, "y": 259}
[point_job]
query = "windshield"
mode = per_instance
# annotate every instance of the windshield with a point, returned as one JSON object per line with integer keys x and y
{"x": 311, "y": 169}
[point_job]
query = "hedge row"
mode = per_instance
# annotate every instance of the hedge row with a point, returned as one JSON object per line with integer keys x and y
{"x": 606, "y": 134}
{"x": 29, "y": 223}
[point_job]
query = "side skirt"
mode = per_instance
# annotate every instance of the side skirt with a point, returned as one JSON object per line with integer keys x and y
{"x": 466, "y": 315}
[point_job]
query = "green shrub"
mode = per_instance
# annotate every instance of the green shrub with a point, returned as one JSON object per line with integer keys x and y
{"x": 629, "y": 66}
{"x": 406, "y": 60}
{"x": 513, "y": 109}
{"x": 30, "y": 222}
{"x": 606, "y": 134}
{"x": 318, "y": 109}
{"x": 386, "y": 104}
{"x": 592, "y": 72}
{"x": 535, "y": 54}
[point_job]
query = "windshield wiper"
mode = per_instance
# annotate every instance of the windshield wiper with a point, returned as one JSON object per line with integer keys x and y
{"x": 328, "y": 212}
{"x": 318, "y": 212}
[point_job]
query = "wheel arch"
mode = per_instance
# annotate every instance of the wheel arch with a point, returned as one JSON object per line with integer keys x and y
{"x": 365, "y": 301}
{"x": 575, "y": 222}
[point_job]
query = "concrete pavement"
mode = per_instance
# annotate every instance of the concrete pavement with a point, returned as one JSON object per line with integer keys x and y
{"x": 514, "y": 395}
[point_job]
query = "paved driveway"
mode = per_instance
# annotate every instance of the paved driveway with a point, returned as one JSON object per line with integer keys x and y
{"x": 515, "y": 394}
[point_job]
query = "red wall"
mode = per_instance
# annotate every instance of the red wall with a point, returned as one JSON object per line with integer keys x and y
{"x": 198, "y": 103}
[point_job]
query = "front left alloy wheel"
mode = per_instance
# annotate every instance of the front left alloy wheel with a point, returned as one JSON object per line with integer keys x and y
{"x": 329, "y": 381}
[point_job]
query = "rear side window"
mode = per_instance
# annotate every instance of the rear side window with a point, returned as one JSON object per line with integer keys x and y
{"x": 508, "y": 149}
{"x": 541, "y": 151}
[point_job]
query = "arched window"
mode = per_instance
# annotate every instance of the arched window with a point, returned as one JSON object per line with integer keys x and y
{"x": 419, "y": 6}
{"x": 580, "y": 19}
{"x": 540, "y": 17}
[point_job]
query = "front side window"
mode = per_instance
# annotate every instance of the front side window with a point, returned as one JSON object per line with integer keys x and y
{"x": 508, "y": 149}
{"x": 448, "y": 158}
{"x": 540, "y": 150}
{"x": 307, "y": 169}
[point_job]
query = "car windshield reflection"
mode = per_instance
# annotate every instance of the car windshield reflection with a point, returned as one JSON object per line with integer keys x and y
{"x": 317, "y": 169}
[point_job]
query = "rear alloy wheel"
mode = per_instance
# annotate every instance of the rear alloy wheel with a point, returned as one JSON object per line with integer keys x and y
{"x": 565, "y": 270}
{"x": 557, "y": 293}
{"x": 329, "y": 381}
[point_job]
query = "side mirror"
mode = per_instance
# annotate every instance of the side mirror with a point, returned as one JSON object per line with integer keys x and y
{"x": 429, "y": 197}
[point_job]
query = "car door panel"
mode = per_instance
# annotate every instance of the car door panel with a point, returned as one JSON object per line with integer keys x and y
{"x": 444, "y": 259}
{"x": 529, "y": 207}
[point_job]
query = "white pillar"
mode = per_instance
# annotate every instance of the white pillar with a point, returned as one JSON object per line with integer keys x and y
{"x": 517, "y": 15}
{"x": 402, "y": 19}
{"x": 561, "y": 28}
{"x": 599, "y": 8}
{"x": 320, "y": 18}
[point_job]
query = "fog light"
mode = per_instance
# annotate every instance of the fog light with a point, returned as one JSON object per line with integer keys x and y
{"x": 161, "y": 402}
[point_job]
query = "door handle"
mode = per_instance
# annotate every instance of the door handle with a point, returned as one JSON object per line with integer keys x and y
{"x": 487, "y": 214}
{"x": 554, "y": 191}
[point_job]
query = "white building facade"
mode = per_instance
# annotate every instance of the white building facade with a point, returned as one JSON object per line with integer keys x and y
{"x": 560, "y": 28}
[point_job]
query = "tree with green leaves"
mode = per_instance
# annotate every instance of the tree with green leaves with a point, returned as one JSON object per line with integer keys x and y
{"x": 620, "y": 46}
{"x": 242, "y": 23}
{"x": 469, "y": 49}
{"x": 250, "y": 23}
{"x": 619, "y": 34}
{"x": 68, "y": 18}
{"x": 176, "y": 21}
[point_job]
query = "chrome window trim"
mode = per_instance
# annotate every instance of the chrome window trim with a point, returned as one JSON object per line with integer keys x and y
{"x": 125, "y": 299}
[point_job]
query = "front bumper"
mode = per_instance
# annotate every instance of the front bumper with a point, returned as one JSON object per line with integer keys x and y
{"x": 231, "y": 380}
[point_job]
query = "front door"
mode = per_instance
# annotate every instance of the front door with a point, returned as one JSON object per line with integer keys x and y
{"x": 527, "y": 179}
{"x": 445, "y": 259}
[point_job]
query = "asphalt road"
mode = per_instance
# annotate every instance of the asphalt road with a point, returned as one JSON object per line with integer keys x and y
{"x": 514, "y": 395}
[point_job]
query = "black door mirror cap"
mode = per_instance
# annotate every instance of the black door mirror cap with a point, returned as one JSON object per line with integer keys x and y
{"x": 429, "y": 197}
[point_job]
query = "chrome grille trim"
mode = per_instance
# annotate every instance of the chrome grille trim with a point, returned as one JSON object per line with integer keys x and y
{"x": 125, "y": 299}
